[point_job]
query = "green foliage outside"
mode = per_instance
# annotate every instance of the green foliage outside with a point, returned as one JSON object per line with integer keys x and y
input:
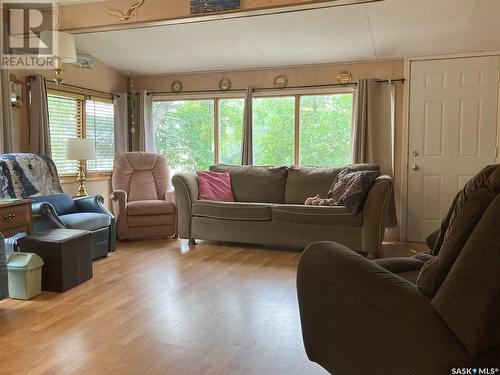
{"x": 273, "y": 130}
{"x": 230, "y": 130}
{"x": 325, "y": 130}
{"x": 185, "y": 131}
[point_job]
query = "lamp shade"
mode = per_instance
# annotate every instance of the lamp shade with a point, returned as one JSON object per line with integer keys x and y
{"x": 80, "y": 149}
{"x": 62, "y": 45}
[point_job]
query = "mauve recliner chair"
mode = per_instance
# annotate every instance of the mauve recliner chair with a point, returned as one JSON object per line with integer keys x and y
{"x": 143, "y": 202}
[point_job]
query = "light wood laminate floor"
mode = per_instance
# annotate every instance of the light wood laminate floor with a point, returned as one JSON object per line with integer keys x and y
{"x": 161, "y": 307}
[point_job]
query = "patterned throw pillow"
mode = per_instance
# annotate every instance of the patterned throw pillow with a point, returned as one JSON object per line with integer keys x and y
{"x": 350, "y": 188}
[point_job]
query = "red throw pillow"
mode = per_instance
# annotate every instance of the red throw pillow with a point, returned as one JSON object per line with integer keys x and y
{"x": 215, "y": 186}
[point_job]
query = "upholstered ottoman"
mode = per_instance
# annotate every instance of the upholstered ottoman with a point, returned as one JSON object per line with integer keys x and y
{"x": 67, "y": 257}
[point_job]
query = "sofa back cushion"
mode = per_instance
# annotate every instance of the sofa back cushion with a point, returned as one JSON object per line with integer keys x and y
{"x": 305, "y": 182}
{"x": 62, "y": 203}
{"x": 255, "y": 183}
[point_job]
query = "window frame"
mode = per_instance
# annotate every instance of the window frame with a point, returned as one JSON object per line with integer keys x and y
{"x": 82, "y": 131}
{"x": 258, "y": 94}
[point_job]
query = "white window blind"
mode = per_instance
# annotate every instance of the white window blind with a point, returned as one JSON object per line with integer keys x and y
{"x": 65, "y": 121}
{"x": 99, "y": 125}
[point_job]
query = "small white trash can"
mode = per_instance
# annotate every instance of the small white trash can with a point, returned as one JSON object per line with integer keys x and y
{"x": 25, "y": 275}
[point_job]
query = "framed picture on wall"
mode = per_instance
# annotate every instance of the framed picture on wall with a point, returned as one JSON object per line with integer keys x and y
{"x": 211, "y": 6}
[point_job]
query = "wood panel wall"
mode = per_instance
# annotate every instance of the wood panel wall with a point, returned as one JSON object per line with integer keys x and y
{"x": 97, "y": 17}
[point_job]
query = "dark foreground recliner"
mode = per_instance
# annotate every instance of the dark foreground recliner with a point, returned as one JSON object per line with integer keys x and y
{"x": 373, "y": 317}
{"x": 35, "y": 176}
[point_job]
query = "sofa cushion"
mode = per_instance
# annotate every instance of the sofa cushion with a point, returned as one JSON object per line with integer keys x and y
{"x": 62, "y": 203}
{"x": 305, "y": 182}
{"x": 86, "y": 220}
{"x": 322, "y": 215}
{"x": 232, "y": 210}
{"x": 255, "y": 183}
{"x": 150, "y": 207}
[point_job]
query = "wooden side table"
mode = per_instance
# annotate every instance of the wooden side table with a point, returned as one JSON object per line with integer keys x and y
{"x": 15, "y": 217}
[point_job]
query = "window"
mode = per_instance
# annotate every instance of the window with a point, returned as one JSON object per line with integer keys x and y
{"x": 306, "y": 129}
{"x": 230, "y": 130}
{"x": 325, "y": 129}
{"x": 65, "y": 121}
{"x": 99, "y": 121}
{"x": 77, "y": 116}
{"x": 273, "y": 130}
{"x": 185, "y": 133}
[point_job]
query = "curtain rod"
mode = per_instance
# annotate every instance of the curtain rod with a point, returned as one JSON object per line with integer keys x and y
{"x": 68, "y": 85}
{"x": 401, "y": 80}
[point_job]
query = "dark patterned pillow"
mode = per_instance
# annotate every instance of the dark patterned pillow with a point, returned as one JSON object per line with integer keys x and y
{"x": 351, "y": 187}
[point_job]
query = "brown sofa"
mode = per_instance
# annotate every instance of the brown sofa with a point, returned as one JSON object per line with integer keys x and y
{"x": 423, "y": 315}
{"x": 269, "y": 209}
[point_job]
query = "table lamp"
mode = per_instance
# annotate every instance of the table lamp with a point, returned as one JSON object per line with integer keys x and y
{"x": 81, "y": 150}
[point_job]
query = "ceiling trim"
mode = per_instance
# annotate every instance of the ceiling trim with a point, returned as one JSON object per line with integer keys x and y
{"x": 322, "y": 4}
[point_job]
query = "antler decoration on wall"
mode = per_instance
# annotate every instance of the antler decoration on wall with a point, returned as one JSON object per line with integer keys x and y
{"x": 125, "y": 16}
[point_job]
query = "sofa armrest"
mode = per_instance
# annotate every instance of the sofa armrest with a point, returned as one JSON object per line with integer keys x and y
{"x": 186, "y": 193}
{"x": 95, "y": 203}
{"x": 374, "y": 215}
{"x": 45, "y": 217}
{"x": 119, "y": 205}
{"x": 352, "y": 307}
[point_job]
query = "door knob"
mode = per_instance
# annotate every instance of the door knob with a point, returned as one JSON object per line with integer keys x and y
{"x": 415, "y": 167}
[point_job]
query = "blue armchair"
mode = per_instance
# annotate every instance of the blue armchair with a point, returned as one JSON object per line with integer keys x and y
{"x": 35, "y": 177}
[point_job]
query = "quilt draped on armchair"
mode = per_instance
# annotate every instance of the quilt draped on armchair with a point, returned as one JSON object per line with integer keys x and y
{"x": 27, "y": 175}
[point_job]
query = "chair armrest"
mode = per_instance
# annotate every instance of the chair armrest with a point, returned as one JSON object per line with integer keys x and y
{"x": 91, "y": 203}
{"x": 95, "y": 203}
{"x": 400, "y": 264}
{"x": 119, "y": 205}
{"x": 186, "y": 193}
{"x": 170, "y": 196}
{"x": 374, "y": 215}
{"x": 45, "y": 216}
{"x": 351, "y": 307}
{"x": 119, "y": 196}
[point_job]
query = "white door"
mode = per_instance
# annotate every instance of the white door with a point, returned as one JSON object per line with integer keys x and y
{"x": 452, "y": 134}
